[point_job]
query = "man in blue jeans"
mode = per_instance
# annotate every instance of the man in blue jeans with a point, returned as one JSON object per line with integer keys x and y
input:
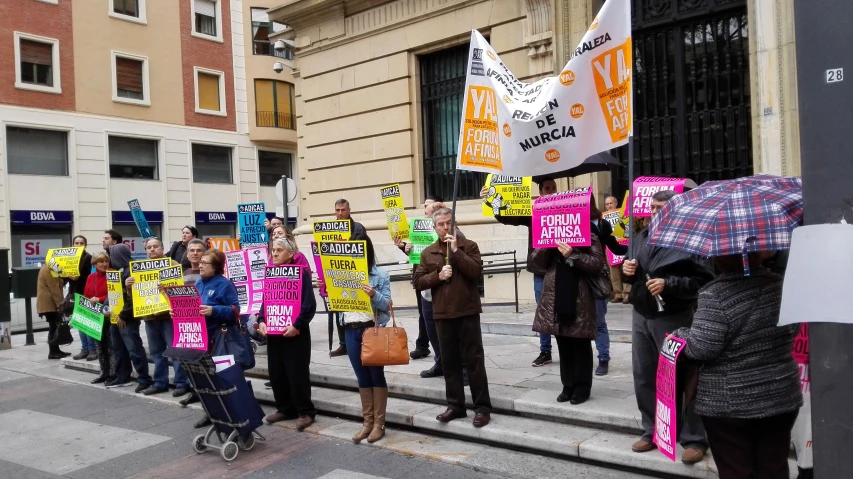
{"x": 160, "y": 332}
{"x": 125, "y": 339}
{"x": 547, "y": 186}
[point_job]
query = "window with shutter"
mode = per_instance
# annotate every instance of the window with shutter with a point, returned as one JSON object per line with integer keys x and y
{"x": 36, "y": 62}
{"x": 133, "y": 158}
{"x": 211, "y": 164}
{"x": 31, "y": 151}
{"x": 208, "y": 92}
{"x": 205, "y": 17}
{"x": 129, "y": 82}
{"x": 126, "y": 7}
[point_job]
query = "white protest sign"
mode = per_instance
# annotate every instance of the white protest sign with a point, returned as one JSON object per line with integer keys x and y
{"x": 527, "y": 129}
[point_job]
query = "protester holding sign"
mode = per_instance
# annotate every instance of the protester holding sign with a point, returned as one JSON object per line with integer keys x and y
{"x": 371, "y": 379}
{"x": 125, "y": 339}
{"x": 451, "y": 269}
{"x": 88, "y": 316}
{"x": 89, "y": 348}
{"x": 546, "y": 187}
{"x": 421, "y": 235}
{"x": 289, "y": 347}
{"x": 96, "y": 291}
{"x": 674, "y": 277}
{"x": 749, "y": 384}
{"x": 614, "y": 215}
{"x": 567, "y": 310}
{"x": 48, "y": 300}
{"x": 395, "y": 213}
{"x": 159, "y": 327}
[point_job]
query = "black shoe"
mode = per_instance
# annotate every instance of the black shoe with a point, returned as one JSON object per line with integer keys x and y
{"x": 565, "y": 396}
{"x": 268, "y": 385}
{"x": 93, "y": 356}
{"x": 433, "y": 372}
{"x": 419, "y": 353}
{"x": 341, "y": 351}
{"x": 204, "y": 422}
{"x": 118, "y": 383}
{"x": 81, "y": 355}
{"x": 142, "y": 387}
{"x": 541, "y": 360}
{"x": 100, "y": 379}
{"x": 578, "y": 399}
{"x": 152, "y": 390}
{"x": 193, "y": 397}
{"x": 602, "y": 368}
{"x": 178, "y": 392}
{"x": 55, "y": 356}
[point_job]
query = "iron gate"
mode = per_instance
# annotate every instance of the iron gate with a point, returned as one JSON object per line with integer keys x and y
{"x": 691, "y": 91}
{"x": 442, "y": 85}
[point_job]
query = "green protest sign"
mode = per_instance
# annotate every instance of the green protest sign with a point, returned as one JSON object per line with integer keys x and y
{"x": 88, "y": 316}
{"x": 421, "y": 234}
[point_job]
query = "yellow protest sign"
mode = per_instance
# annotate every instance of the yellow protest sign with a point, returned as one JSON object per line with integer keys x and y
{"x": 148, "y": 275}
{"x": 64, "y": 262}
{"x": 395, "y": 214}
{"x": 337, "y": 230}
{"x": 115, "y": 295}
{"x": 620, "y": 227}
{"x": 345, "y": 269}
{"x": 508, "y": 196}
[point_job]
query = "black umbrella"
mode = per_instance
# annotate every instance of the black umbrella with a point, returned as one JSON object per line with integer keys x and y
{"x": 598, "y": 162}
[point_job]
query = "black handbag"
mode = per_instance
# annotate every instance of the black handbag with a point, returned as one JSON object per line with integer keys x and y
{"x": 62, "y": 334}
{"x": 231, "y": 339}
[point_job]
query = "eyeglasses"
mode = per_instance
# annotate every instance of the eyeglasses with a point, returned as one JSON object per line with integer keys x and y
{"x": 207, "y": 263}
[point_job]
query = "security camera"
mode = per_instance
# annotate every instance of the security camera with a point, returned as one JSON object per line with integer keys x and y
{"x": 279, "y": 46}
{"x": 278, "y": 67}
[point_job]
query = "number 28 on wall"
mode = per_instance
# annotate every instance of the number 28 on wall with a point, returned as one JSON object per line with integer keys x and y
{"x": 834, "y": 75}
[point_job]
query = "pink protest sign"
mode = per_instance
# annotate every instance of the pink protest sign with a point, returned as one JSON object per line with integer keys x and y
{"x": 666, "y": 414}
{"x": 646, "y": 186}
{"x": 801, "y": 356}
{"x": 319, "y": 266}
{"x": 282, "y": 297}
{"x": 245, "y": 268}
{"x": 562, "y": 217}
{"x": 613, "y": 259}
{"x": 190, "y": 329}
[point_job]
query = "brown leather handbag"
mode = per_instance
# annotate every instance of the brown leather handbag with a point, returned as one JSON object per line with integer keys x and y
{"x": 388, "y": 346}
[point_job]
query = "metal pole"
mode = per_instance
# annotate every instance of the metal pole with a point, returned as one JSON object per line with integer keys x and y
{"x": 630, "y": 206}
{"x": 453, "y": 212}
{"x": 284, "y": 201}
{"x": 515, "y": 278}
{"x": 31, "y": 341}
{"x": 825, "y": 103}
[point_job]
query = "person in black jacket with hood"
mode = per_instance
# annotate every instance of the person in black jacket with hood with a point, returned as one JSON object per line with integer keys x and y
{"x": 88, "y": 348}
{"x": 178, "y": 251}
{"x": 675, "y": 277}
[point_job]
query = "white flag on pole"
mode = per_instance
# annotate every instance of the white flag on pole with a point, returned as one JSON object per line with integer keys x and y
{"x": 525, "y": 129}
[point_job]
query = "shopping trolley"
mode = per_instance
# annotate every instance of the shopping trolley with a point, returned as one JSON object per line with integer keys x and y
{"x": 228, "y": 400}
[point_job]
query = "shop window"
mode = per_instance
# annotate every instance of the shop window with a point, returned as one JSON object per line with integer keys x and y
{"x": 33, "y": 151}
{"x": 212, "y": 164}
{"x": 133, "y": 158}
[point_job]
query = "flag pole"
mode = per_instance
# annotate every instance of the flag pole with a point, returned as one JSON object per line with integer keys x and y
{"x": 453, "y": 212}
{"x": 630, "y": 204}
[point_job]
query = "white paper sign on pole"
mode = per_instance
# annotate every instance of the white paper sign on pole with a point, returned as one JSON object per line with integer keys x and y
{"x": 526, "y": 129}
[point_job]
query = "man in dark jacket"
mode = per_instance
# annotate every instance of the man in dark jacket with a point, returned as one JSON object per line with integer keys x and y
{"x": 547, "y": 186}
{"x": 451, "y": 269}
{"x": 675, "y": 277}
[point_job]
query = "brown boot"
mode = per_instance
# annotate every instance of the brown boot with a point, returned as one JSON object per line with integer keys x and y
{"x": 380, "y": 402}
{"x": 367, "y": 412}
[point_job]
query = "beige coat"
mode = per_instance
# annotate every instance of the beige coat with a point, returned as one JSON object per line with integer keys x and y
{"x": 48, "y": 292}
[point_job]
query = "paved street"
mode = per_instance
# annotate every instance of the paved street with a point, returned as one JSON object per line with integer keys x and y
{"x": 51, "y": 428}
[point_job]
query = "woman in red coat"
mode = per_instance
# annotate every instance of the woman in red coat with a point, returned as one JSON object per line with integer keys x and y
{"x": 96, "y": 290}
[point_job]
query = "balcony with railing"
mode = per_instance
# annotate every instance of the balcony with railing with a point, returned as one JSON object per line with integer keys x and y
{"x": 275, "y": 119}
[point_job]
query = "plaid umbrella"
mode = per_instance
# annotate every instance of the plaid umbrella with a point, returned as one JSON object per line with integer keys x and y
{"x": 720, "y": 218}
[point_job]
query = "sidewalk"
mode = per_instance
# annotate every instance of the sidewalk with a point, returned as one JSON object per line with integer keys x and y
{"x": 526, "y": 417}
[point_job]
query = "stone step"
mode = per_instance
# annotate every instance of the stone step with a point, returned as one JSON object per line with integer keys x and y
{"x": 540, "y": 434}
